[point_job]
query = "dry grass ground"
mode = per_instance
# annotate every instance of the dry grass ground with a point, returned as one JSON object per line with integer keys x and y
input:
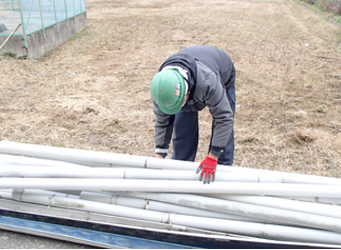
{"x": 93, "y": 91}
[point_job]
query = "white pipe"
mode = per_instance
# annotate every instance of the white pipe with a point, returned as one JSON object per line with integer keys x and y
{"x": 291, "y": 205}
{"x": 78, "y": 156}
{"x": 160, "y": 206}
{"x": 52, "y": 171}
{"x": 16, "y": 194}
{"x": 6, "y": 194}
{"x": 32, "y": 171}
{"x": 8, "y": 190}
{"x": 283, "y": 177}
{"x": 227, "y": 226}
{"x": 9, "y": 193}
{"x": 15, "y": 160}
{"x": 156, "y": 174}
{"x": 257, "y": 174}
{"x": 333, "y": 201}
{"x": 244, "y": 209}
{"x": 78, "y": 215}
{"x": 158, "y": 163}
{"x": 117, "y": 173}
{"x": 270, "y": 189}
{"x": 103, "y": 159}
{"x": 309, "y": 179}
{"x": 262, "y": 230}
{"x": 89, "y": 206}
{"x": 231, "y": 174}
{"x": 56, "y": 172}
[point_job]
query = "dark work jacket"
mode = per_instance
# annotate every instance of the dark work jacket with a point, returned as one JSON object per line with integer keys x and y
{"x": 210, "y": 73}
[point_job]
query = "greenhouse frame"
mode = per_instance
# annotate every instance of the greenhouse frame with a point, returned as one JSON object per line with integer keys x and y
{"x": 32, "y": 28}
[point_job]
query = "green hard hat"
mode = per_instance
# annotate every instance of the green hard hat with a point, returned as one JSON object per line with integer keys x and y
{"x": 168, "y": 91}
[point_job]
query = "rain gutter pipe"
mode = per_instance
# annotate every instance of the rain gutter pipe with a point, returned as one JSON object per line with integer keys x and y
{"x": 237, "y": 227}
{"x": 104, "y": 159}
{"x": 169, "y": 186}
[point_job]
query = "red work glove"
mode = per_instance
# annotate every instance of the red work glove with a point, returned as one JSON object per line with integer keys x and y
{"x": 207, "y": 168}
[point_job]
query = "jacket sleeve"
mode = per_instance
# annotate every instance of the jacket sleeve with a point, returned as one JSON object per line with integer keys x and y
{"x": 215, "y": 97}
{"x": 163, "y": 131}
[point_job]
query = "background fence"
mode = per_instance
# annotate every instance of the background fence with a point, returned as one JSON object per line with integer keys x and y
{"x": 37, "y": 15}
{"x": 41, "y": 25}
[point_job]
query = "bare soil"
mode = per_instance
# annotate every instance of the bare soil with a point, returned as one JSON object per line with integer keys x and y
{"x": 93, "y": 91}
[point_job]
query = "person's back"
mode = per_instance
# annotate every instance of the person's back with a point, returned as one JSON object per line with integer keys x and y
{"x": 216, "y": 59}
{"x": 186, "y": 83}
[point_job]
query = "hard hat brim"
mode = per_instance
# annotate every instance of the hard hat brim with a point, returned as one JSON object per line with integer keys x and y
{"x": 171, "y": 111}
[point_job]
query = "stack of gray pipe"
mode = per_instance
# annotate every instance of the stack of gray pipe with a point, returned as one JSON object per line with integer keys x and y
{"x": 166, "y": 194}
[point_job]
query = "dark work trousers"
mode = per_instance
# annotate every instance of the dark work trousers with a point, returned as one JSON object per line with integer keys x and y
{"x": 186, "y": 135}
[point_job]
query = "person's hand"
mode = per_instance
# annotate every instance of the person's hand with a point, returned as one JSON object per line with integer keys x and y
{"x": 158, "y": 156}
{"x": 207, "y": 168}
